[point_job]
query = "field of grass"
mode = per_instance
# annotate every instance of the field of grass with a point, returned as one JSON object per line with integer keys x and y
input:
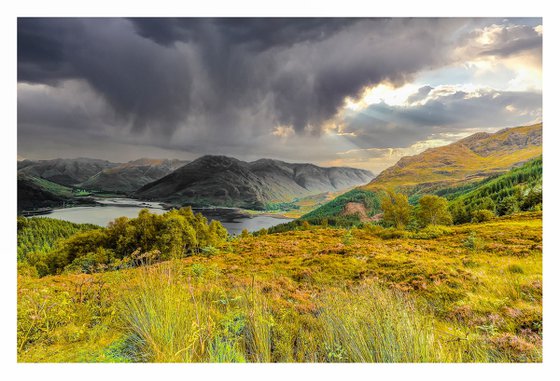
{"x": 469, "y": 293}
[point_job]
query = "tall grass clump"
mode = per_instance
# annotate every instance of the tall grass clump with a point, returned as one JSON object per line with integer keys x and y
{"x": 372, "y": 324}
{"x": 168, "y": 320}
{"x": 178, "y": 314}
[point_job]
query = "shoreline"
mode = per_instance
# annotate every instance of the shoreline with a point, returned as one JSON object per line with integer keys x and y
{"x": 228, "y": 214}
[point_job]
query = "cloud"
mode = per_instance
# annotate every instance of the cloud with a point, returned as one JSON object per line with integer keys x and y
{"x": 246, "y": 87}
{"x": 437, "y": 111}
{"x": 420, "y": 95}
{"x": 203, "y": 73}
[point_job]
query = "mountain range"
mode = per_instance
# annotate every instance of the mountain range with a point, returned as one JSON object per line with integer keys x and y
{"x": 209, "y": 180}
{"x": 128, "y": 177}
{"x": 69, "y": 172}
{"x": 226, "y": 181}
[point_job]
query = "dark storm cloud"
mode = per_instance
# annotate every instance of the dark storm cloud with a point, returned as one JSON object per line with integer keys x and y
{"x": 147, "y": 85}
{"x": 162, "y": 74}
{"x": 384, "y": 126}
{"x": 256, "y": 34}
{"x": 223, "y": 85}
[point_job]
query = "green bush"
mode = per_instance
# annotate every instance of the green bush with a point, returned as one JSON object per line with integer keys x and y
{"x": 482, "y": 215}
{"x": 431, "y": 232}
{"x": 392, "y": 233}
{"x": 472, "y": 242}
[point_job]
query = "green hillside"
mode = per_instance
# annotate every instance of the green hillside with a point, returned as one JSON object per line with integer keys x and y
{"x": 479, "y": 162}
{"x": 520, "y": 189}
{"x": 334, "y": 208}
{"x": 42, "y": 234}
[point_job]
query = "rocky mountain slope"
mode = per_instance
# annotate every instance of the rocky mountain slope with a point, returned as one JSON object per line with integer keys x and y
{"x": 472, "y": 158}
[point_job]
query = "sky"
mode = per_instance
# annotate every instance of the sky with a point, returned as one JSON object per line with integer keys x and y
{"x": 333, "y": 92}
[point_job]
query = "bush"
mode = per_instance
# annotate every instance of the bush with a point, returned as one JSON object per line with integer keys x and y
{"x": 482, "y": 215}
{"x": 392, "y": 233}
{"x": 472, "y": 242}
{"x": 515, "y": 269}
{"x": 508, "y": 205}
{"x": 431, "y": 232}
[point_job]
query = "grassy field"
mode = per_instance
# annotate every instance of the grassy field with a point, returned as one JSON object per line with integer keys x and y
{"x": 468, "y": 293}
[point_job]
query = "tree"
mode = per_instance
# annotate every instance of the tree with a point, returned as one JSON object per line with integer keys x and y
{"x": 432, "y": 210}
{"x": 396, "y": 209}
{"x": 508, "y": 205}
{"x": 486, "y": 203}
{"x": 459, "y": 213}
{"x": 532, "y": 199}
{"x": 217, "y": 233}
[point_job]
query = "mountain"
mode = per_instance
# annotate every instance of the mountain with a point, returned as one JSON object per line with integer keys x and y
{"x": 67, "y": 172}
{"x": 128, "y": 177}
{"x": 463, "y": 165}
{"x": 37, "y": 193}
{"x": 32, "y": 196}
{"x": 472, "y": 158}
{"x": 226, "y": 181}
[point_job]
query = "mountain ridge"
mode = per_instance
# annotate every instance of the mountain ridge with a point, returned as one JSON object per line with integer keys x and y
{"x": 472, "y": 158}
{"x": 227, "y": 181}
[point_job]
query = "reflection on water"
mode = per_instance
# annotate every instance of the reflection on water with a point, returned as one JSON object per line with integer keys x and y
{"x": 232, "y": 219}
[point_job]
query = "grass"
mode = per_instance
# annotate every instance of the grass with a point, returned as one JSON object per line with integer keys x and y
{"x": 316, "y": 295}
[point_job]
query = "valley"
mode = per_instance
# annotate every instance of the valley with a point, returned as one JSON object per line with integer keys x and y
{"x": 439, "y": 258}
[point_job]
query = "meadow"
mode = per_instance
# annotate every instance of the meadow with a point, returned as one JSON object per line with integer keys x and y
{"x": 465, "y": 293}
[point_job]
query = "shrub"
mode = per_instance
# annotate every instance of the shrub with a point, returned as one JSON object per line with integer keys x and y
{"x": 472, "y": 242}
{"x": 508, "y": 205}
{"x": 482, "y": 215}
{"x": 431, "y": 232}
{"x": 392, "y": 233}
{"x": 515, "y": 269}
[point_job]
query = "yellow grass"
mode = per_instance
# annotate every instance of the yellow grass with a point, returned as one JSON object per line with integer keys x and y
{"x": 473, "y": 293}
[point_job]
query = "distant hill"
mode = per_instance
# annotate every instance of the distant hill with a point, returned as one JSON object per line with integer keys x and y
{"x": 458, "y": 167}
{"x": 472, "y": 158}
{"x": 32, "y": 196}
{"x": 226, "y": 181}
{"x": 67, "y": 172}
{"x": 37, "y": 193}
{"x": 128, "y": 177}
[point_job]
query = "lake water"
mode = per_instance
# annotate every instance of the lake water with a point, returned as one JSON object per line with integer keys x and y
{"x": 232, "y": 219}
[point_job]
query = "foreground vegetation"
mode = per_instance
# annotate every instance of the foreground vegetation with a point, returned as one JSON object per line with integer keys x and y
{"x": 124, "y": 243}
{"x": 465, "y": 293}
